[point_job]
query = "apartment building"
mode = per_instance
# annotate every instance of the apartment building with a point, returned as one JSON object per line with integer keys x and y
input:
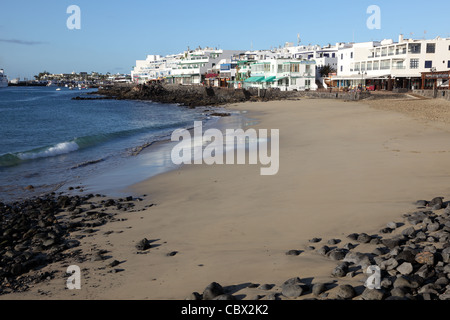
{"x": 323, "y": 56}
{"x": 406, "y": 64}
{"x": 283, "y": 74}
{"x": 154, "y": 67}
{"x": 196, "y": 64}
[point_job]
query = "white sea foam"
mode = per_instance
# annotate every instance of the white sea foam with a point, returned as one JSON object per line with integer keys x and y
{"x": 60, "y": 148}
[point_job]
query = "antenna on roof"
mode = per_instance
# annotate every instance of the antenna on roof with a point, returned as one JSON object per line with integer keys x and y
{"x": 298, "y": 39}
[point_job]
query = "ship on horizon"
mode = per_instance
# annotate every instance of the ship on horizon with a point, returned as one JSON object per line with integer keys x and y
{"x": 3, "y": 79}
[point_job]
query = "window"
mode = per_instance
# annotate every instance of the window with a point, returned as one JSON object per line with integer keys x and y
{"x": 308, "y": 68}
{"x": 351, "y": 55}
{"x": 431, "y": 47}
{"x": 414, "y": 64}
{"x": 448, "y": 64}
{"x": 363, "y": 66}
{"x": 428, "y": 64}
{"x": 342, "y": 55}
{"x": 385, "y": 64}
{"x": 391, "y": 51}
{"x": 295, "y": 67}
{"x": 414, "y": 48}
{"x": 342, "y": 67}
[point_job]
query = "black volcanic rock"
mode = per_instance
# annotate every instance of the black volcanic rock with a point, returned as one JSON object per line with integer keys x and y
{"x": 191, "y": 95}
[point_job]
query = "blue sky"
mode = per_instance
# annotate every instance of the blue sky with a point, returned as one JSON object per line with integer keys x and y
{"x": 114, "y": 34}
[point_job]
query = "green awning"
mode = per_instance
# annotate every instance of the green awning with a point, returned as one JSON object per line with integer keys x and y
{"x": 281, "y": 78}
{"x": 245, "y": 61}
{"x": 184, "y": 75}
{"x": 269, "y": 79}
{"x": 254, "y": 79}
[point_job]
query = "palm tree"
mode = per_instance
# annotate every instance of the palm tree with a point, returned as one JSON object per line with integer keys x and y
{"x": 326, "y": 70}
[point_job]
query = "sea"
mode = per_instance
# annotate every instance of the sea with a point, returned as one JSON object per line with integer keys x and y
{"x": 54, "y": 143}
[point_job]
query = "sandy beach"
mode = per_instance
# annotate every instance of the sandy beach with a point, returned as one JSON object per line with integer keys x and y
{"x": 344, "y": 167}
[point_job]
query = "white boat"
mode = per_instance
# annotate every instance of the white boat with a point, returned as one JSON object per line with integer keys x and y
{"x": 59, "y": 89}
{"x": 3, "y": 79}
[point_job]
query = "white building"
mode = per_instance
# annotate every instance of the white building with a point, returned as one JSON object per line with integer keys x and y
{"x": 193, "y": 67}
{"x": 154, "y": 67}
{"x": 388, "y": 64}
{"x": 239, "y": 67}
{"x": 284, "y": 74}
{"x": 348, "y": 56}
{"x": 323, "y": 56}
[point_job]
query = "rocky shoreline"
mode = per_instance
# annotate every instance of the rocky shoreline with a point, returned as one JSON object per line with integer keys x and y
{"x": 413, "y": 258}
{"x": 38, "y": 232}
{"x": 189, "y": 96}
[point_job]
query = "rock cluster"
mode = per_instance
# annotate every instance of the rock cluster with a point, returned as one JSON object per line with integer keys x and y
{"x": 414, "y": 261}
{"x": 213, "y": 291}
{"x": 38, "y": 231}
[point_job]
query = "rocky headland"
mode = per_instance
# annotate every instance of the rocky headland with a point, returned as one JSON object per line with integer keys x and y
{"x": 189, "y": 96}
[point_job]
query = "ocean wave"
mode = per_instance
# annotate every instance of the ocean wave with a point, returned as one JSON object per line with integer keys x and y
{"x": 58, "y": 149}
{"x": 13, "y": 159}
